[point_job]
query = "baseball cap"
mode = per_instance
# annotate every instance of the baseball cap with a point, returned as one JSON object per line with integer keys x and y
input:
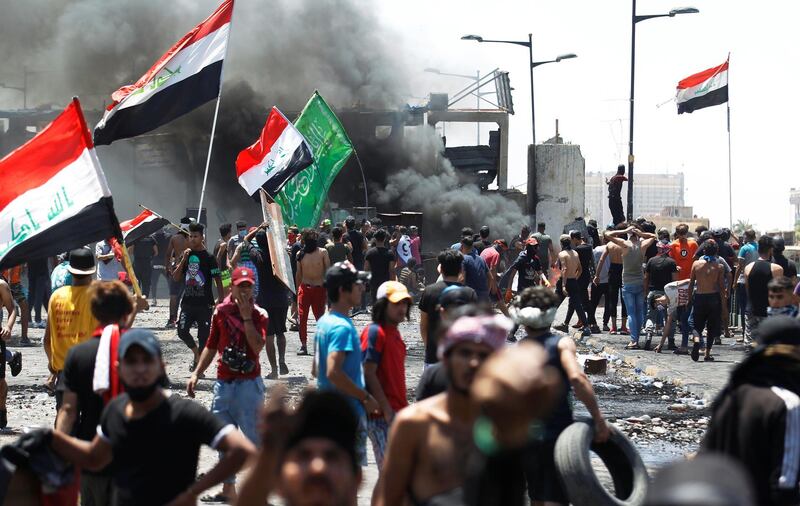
{"x": 456, "y": 295}
{"x": 343, "y": 274}
{"x": 394, "y": 291}
{"x": 142, "y": 338}
{"x": 489, "y": 330}
{"x": 81, "y": 262}
{"x": 242, "y": 275}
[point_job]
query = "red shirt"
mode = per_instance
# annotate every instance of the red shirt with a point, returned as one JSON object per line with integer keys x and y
{"x": 683, "y": 254}
{"x": 226, "y": 326}
{"x": 491, "y": 256}
{"x": 383, "y": 345}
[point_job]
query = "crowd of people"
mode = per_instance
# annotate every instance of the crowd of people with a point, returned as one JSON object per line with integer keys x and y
{"x": 498, "y": 374}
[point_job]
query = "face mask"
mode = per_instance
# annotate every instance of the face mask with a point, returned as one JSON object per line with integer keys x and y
{"x": 310, "y": 245}
{"x": 790, "y": 310}
{"x": 140, "y": 394}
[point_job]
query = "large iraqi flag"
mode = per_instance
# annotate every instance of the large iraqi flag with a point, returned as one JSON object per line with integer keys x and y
{"x": 704, "y": 89}
{"x": 185, "y": 77}
{"x": 53, "y": 193}
{"x": 279, "y": 154}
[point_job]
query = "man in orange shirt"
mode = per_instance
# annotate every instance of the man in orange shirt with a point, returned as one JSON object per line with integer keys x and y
{"x": 682, "y": 251}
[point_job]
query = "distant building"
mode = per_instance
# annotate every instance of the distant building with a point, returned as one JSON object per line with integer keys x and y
{"x": 654, "y": 193}
{"x": 672, "y": 216}
{"x": 794, "y": 199}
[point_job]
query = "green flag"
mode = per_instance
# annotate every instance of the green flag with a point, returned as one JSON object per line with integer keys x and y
{"x": 303, "y": 197}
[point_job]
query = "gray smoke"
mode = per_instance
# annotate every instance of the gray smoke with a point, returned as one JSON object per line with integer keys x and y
{"x": 432, "y": 185}
{"x": 280, "y": 52}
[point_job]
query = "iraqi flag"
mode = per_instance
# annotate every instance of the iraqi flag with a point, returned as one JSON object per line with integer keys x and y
{"x": 185, "y": 77}
{"x": 146, "y": 223}
{"x": 277, "y": 156}
{"x": 53, "y": 193}
{"x": 704, "y": 89}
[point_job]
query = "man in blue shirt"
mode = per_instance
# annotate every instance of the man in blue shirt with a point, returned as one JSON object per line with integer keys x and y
{"x": 337, "y": 363}
{"x": 748, "y": 254}
{"x": 476, "y": 272}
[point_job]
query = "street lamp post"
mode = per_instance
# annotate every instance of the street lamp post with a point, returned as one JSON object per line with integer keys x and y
{"x": 531, "y": 184}
{"x": 635, "y": 19}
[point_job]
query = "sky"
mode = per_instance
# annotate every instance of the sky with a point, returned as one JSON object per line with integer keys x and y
{"x": 589, "y": 95}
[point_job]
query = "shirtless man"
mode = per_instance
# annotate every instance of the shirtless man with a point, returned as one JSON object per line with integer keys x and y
{"x": 707, "y": 284}
{"x": 7, "y": 302}
{"x": 431, "y": 441}
{"x": 570, "y": 272}
{"x": 614, "y": 252}
{"x": 177, "y": 245}
{"x": 312, "y": 263}
{"x": 633, "y": 294}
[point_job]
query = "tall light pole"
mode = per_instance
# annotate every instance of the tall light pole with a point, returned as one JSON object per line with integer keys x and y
{"x": 478, "y": 94}
{"x": 531, "y": 185}
{"x": 635, "y": 19}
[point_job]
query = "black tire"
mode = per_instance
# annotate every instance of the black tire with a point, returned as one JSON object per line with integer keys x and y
{"x": 573, "y": 461}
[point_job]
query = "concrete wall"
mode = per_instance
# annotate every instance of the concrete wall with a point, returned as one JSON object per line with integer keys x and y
{"x": 560, "y": 185}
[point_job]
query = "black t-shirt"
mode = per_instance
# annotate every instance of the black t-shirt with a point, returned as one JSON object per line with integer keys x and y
{"x": 143, "y": 249}
{"x": 271, "y": 291}
{"x": 198, "y": 274}
{"x": 427, "y": 304}
{"x": 356, "y": 240}
{"x": 162, "y": 241}
{"x": 482, "y": 245}
{"x": 293, "y": 251}
{"x": 37, "y": 268}
{"x": 432, "y": 382}
{"x": 660, "y": 270}
{"x": 651, "y": 251}
{"x": 155, "y": 457}
{"x": 529, "y": 269}
{"x": 586, "y": 257}
{"x": 724, "y": 251}
{"x": 379, "y": 259}
{"x": 78, "y": 374}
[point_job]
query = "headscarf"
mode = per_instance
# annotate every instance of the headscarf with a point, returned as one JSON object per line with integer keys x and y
{"x": 489, "y": 330}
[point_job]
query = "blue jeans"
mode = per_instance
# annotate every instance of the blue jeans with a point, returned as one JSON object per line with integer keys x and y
{"x": 633, "y": 295}
{"x": 681, "y": 316}
{"x": 238, "y": 402}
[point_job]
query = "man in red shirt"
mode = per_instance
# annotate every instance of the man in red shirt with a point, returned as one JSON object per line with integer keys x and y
{"x": 682, "y": 250}
{"x": 491, "y": 255}
{"x": 384, "y": 355}
{"x": 238, "y": 333}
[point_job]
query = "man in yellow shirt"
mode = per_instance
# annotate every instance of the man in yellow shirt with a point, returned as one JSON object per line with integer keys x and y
{"x": 69, "y": 314}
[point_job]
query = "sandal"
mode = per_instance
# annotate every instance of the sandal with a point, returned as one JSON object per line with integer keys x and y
{"x": 217, "y": 498}
{"x": 696, "y": 351}
{"x": 632, "y": 346}
{"x": 624, "y": 332}
{"x": 708, "y": 358}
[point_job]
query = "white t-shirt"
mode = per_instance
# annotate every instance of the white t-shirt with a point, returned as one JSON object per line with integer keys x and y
{"x": 106, "y": 271}
{"x": 404, "y": 249}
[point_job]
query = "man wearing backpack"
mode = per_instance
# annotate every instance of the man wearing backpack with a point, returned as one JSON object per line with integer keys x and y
{"x": 384, "y": 354}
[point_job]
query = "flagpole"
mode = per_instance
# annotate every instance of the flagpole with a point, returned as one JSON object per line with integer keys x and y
{"x": 216, "y": 113}
{"x": 730, "y": 172}
{"x": 363, "y": 179}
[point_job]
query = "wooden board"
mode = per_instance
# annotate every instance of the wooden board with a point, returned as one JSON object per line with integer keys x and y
{"x": 276, "y": 239}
